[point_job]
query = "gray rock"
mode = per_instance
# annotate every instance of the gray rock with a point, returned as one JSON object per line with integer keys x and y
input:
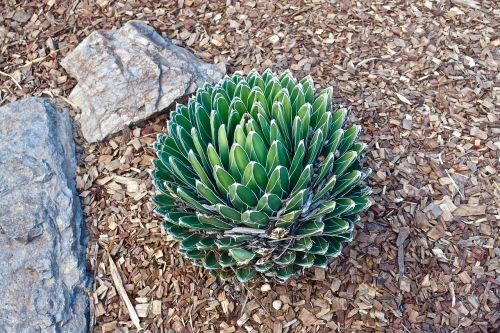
{"x": 43, "y": 276}
{"x": 126, "y": 75}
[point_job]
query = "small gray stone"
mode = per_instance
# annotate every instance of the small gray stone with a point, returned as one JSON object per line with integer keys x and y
{"x": 42, "y": 252}
{"x": 126, "y": 75}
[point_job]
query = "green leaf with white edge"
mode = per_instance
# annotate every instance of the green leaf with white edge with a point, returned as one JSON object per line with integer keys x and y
{"x": 328, "y": 91}
{"x": 213, "y": 157}
{"x": 234, "y": 120}
{"x": 228, "y": 212}
{"x": 297, "y": 97}
{"x": 182, "y": 121}
{"x": 201, "y": 150}
{"x": 203, "y": 126}
{"x": 358, "y": 147}
{"x": 243, "y": 92}
{"x": 315, "y": 146}
{"x": 310, "y": 228}
{"x": 320, "y": 261}
{"x": 210, "y": 261}
{"x": 225, "y": 260}
{"x": 215, "y": 222}
{"x": 225, "y": 243}
{"x": 242, "y": 197}
{"x": 191, "y": 241}
{"x": 306, "y": 260}
{"x": 344, "y": 162}
{"x": 319, "y": 108}
{"x": 255, "y": 219}
{"x": 308, "y": 85}
{"x": 223, "y": 146}
{"x": 284, "y": 273}
{"x": 360, "y": 190}
{"x": 329, "y": 185}
{"x": 185, "y": 139}
{"x": 264, "y": 267}
{"x": 286, "y": 220}
{"x": 304, "y": 114}
{"x": 190, "y": 199}
{"x": 241, "y": 255}
{"x": 256, "y": 147}
{"x": 207, "y": 243}
{"x": 335, "y": 225}
{"x": 177, "y": 232}
{"x": 239, "y": 135}
{"x": 361, "y": 204}
{"x": 255, "y": 177}
{"x": 278, "y": 182}
{"x": 287, "y": 258}
{"x": 245, "y": 274}
{"x": 334, "y": 247}
{"x": 320, "y": 245}
{"x": 238, "y": 161}
{"x": 173, "y": 217}
{"x": 164, "y": 200}
{"x": 297, "y": 132}
{"x": 343, "y": 206}
{"x": 182, "y": 172}
{"x": 257, "y": 97}
{"x": 193, "y": 222}
{"x": 275, "y": 133}
{"x": 324, "y": 124}
{"x": 265, "y": 127}
{"x": 347, "y": 182}
{"x": 272, "y": 89}
{"x": 215, "y": 122}
{"x": 296, "y": 167}
{"x": 301, "y": 244}
{"x": 304, "y": 180}
{"x": 223, "y": 179}
{"x": 194, "y": 254}
{"x": 277, "y": 155}
{"x": 284, "y": 98}
{"x": 198, "y": 168}
{"x": 170, "y": 147}
{"x": 207, "y": 193}
{"x": 350, "y": 135}
{"x": 325, "y": 168}
{"x": 269, "y": 203}
{"x": 255, "y": 127}
{"x": 297, "y": 201}
{"x": 334, "y": 141}
{"x": 285, "y": 128}
{"x": 272, "y": 160}
{"x": 324, "y": 208}
{"x": 238, "y": 106}
{"x": 222, "y": 107}
{"x": 204, "y": 98}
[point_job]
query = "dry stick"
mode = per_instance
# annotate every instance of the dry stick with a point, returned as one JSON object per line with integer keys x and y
{"x": 123, "y": 294}
{"x": 12, "y": 78}
{"x": 452, "y": 180}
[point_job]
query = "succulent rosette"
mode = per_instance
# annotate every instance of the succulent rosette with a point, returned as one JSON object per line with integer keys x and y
{"x": 259, "y": 174}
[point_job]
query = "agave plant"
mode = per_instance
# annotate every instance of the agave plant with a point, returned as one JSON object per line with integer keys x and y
{"x": 257, "y": 174}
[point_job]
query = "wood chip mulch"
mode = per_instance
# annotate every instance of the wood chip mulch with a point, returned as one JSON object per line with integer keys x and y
{"x": 423, "y": 79}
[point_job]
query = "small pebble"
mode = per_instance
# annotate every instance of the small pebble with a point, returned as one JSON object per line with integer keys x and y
{"x": 277, "y": 304}
{"x": 265, "y": 287}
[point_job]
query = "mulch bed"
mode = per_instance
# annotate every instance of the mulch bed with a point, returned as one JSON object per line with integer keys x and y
{"x": 422, "y": 78}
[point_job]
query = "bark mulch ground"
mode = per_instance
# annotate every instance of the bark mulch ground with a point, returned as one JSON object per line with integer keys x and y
{"x": 423, "y": 80}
